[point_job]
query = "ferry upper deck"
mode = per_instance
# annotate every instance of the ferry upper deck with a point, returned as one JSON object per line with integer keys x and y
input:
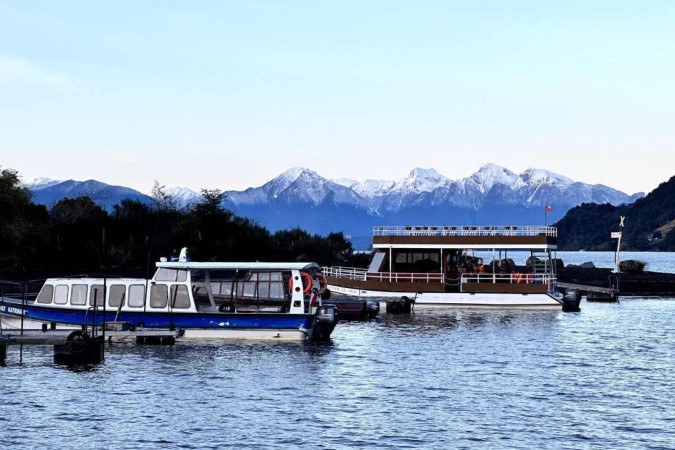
{"x": 462, "y": 237}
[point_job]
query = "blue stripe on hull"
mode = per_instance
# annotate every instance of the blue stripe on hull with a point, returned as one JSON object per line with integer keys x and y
{"x": 263, "y": 321}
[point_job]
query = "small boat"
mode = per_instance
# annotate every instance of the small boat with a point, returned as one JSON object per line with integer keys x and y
{"x": 351, "y": 308}
{"x": 241, "y": 300}
{"x": 437, "y": 266}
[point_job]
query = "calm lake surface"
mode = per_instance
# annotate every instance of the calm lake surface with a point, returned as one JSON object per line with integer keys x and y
{"x": 601, "y": 378}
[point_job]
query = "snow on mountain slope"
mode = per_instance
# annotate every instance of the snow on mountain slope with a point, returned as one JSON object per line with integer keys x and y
{"x": 41, "y": 183}
{"x": 297, "y": 185}
{"x": 184, "y": 197}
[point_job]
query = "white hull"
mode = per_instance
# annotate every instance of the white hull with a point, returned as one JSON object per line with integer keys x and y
{"x": 459, "y": 299}
{"x": 10, "y": 322}
{"x": 253, "y": 335}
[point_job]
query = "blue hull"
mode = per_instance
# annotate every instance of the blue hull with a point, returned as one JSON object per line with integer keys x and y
{"x": 214, "y": 321}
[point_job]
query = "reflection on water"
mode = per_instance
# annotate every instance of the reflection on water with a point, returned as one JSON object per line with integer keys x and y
{"x": 441, "y": 379}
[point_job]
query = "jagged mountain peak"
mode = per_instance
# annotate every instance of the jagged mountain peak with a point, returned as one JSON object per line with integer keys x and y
{"x": 490, "y": 175}
{"x": 421, "y": 180}
{"x": 293, "y": 174}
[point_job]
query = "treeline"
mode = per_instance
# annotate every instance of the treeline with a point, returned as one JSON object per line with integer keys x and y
{"x": 78, "y": 236}
{"x": 649, "y": 223}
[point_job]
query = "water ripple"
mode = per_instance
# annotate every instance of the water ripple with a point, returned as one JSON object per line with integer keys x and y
{"x": 458, "y": 379}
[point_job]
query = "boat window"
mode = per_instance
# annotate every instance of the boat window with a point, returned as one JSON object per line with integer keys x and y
{"x": 264, "y": 290}
{"x": 116, "y": 295}
{"x": 46, "y": 294}
{"x": 78, "y": 294}
{"x": 61, "y": 294}
{"x": 179, "y": 296}
{"x": 277, "y": 290}
{"x": 226, "y": 288}
{"x": 376, "y": 263}
{"x": 164, "y": 274}
{"x": 159, "y": 296}
{"x": 96, "y": 295}
{"x": 136, "y": 295}
{"x": 417, "y": 261}
{"x": 215, "y": 288}
{"x": 246, "y": 289}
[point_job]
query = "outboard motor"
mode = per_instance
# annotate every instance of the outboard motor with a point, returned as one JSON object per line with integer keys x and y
{"x": 373, "y": 308}
{"x": 401, "y": 305}
{"x": 571, "y": 300}
{"x": 326, "y": 319}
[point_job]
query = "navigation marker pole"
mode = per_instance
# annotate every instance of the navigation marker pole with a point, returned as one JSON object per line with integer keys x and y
{"x": 617, "y": 235}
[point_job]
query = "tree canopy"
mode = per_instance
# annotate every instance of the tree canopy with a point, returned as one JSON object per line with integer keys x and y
{"x": 78, "y": 236}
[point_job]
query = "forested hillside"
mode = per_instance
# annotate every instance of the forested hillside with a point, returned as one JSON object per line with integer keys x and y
{"x": 649, "y": 223}
{"x": 78, "y": 236}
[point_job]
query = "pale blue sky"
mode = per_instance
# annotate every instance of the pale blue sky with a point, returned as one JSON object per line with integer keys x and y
{"x": 228, "y": 94}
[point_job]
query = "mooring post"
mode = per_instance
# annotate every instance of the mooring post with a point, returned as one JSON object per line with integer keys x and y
{"x": 3, "y": 353}
{"x": 618, "y": 235}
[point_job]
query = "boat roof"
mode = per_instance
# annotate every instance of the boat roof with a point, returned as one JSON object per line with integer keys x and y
{"x": 517, "y": 237}
{"x": 240, "y": 265}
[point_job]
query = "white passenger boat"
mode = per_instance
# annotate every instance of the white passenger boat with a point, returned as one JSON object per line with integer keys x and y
{"x": 436, "y": 266}
{"x": 279, "y": 301}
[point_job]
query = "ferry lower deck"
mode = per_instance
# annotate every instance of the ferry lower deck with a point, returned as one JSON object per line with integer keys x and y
{"x": 461, "y": 300}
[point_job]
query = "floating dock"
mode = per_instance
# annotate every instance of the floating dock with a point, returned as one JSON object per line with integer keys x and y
{"x": 77, "y": 346}
{"x": 591, "y": 293}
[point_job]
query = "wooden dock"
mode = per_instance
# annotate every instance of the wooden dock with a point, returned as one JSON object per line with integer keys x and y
{"x": 54, "y": 337}
{"x": 597, "y": 293}
{"x": 86, "y": 349}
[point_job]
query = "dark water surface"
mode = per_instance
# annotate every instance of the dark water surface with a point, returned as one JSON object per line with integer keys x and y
{"x": 604, "y": 377}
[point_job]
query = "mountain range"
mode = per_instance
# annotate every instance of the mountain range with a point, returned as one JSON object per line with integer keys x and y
{"x": 302, "y": 197}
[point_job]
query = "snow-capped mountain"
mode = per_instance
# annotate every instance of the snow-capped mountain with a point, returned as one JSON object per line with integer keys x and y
{"x": 301, "y": 197}
{"x": 494, "y": 194}
{"x": 297, "y": 185}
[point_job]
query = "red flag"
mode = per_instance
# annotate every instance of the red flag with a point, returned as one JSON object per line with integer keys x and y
{"x": 548, "y": 208}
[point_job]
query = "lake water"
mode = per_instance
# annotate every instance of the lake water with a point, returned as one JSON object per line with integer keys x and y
{"x": 601, "y": 378}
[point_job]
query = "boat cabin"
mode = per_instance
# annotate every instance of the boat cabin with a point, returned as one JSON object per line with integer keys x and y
{"x": 194, "y": 287}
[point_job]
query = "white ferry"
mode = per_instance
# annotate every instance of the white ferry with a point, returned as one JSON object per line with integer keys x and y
{"x": 436, "y": 266}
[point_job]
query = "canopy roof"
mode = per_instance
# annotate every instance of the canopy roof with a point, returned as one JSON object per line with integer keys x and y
{"x": 240, "y": 265}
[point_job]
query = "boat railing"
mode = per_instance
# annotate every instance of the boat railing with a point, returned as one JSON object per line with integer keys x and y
{"x": 403, "y": 277}
{"x": 351, "y": 273}
{"x": 470, "y": 230}
{"x": 507, "y": 278}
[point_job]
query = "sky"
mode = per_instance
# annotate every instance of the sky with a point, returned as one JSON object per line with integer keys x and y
{"x": 228, "y": 94}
